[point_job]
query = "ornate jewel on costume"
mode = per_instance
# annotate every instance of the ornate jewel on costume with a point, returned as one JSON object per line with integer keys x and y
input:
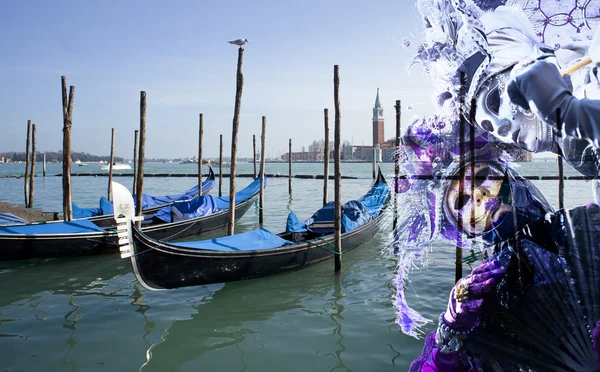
{"x": 450, "y": 340}
{"x": 462, "y": 291}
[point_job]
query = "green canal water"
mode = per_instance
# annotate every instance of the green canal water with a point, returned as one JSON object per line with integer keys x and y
{"x": 90, "y": 314}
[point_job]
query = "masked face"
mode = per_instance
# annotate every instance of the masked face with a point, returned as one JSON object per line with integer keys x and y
{"x": 496, "y": 114}
{"x": 478, "y": 202}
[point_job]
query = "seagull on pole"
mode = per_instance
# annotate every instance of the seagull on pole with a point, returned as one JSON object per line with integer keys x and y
{"x": 239, "y": 42}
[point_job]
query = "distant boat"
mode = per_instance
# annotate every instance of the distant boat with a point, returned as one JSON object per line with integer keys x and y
{"x": 115, "y": 166}
{"x": 225, "y": 164}
{"x": 78, "y": 162}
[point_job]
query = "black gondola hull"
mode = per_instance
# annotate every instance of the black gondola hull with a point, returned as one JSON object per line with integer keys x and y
{"x": 57, "y": 245}
{"x": 160, "y": 266}
{"x": 23, "y": 247}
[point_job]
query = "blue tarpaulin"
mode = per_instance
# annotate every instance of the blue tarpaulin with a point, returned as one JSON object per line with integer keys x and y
{"x": 148, "y": 201}
{"x": 72, "y": 227}
{"x": 293, "y": 225}
{"x": 104, "y": 208}
{"x": 375, "y": 198}
{"x": 199, "y": 206}
{"x": 355, "y": 213}
{"x": 249, "y": 241}
{"x": 204, "y": 205}
{"x": 240, "y": 196}
{"x": 11, "y": 219}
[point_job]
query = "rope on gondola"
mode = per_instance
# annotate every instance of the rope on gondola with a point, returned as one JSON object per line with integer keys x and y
{"x": 471, "y": 258}
{"x": 174, "y": 235}
{"x": 328, "y": 243}
{"x": 254, "y": 203}
{"x": 102, "y": 242}
{"x": 142, "y": 252}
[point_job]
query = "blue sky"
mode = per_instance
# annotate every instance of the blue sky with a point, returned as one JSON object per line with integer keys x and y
{"x": 178, "y": 53}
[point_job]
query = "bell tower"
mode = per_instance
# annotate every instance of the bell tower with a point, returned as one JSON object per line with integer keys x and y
{"x": 378, "y": 134}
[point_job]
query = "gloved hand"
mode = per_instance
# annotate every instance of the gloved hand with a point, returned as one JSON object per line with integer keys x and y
{"x": 541, "y": 84}
{"x": 466, "y": 298}
{"x": 543, "y": 90}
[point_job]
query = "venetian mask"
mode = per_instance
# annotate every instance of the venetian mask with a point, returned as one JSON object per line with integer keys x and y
{"x": 496, "y": 114}
{"x": 479, "y": 202}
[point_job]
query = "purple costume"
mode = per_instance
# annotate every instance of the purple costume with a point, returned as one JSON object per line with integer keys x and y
{"x": 551, "y": 270}
{"x": 534, "y": 303}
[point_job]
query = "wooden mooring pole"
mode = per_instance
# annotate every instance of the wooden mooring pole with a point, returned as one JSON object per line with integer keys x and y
{"x": 396, "y": 162}
{"x": 234, "y": 140}
{"x": 254, "y": 152}
{"x": 44, "y": 170}
{"x": 263, "y": 146}
{"x": 141, "y": 156}
{"x": 221, "y": 165}
{"x": 561, "y": 175}
{"x": 377, "y": 158}
{"x": 112, "y": 161}
{"x": 200, "y": 135}
{"x": 461, "y": 182}
{"x": 27, "y": 156}
{"x": 337, "y": 171}
{"x": 290, "y": 168}
{"x": 136, "y": 134}
{"x": 374, "y": 162}
{"x": 67, "y": 125}
{"x": 326, "y": 156}
{"x": 472, "y": 113}
{"x": 32, "y": 176}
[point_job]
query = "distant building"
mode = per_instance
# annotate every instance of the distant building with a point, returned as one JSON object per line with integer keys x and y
{"x": 388, "y": 148}
{"x": 303, "y": 156}
{"x": 378, "y": 125}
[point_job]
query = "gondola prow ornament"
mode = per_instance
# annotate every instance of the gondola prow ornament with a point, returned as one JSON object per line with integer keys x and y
{"x": 124, "y": 212}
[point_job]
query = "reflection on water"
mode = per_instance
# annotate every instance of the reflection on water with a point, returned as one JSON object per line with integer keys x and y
{"x": 90, "y": 314}
{"x": 336, "y": 316}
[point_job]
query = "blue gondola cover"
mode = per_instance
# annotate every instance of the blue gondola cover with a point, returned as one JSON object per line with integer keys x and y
{"x": 11, "y": 219}
{"x": 375, "y": 198}
{"x": 204, "y": 205}
{"x": 355, "y": 213}
{"x": 293, "y": 225}
{"x": 240, "y": 196}
{"x": 148, "y": 201}
{"x": 72, "y": 227}
{"x": 249, "y": 241}
{"x": 199, "y": 206}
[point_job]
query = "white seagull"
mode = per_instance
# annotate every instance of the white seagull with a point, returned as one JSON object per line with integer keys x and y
{"x": 239, "y": 42}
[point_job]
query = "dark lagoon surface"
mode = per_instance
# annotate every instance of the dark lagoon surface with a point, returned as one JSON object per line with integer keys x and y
{"x": 90, "y": 314}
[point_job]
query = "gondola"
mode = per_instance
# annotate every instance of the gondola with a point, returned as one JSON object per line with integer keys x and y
{"x": 103, "y": 216}
{"x": 83, "y": 237}
{"x": 258, "y": 253}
